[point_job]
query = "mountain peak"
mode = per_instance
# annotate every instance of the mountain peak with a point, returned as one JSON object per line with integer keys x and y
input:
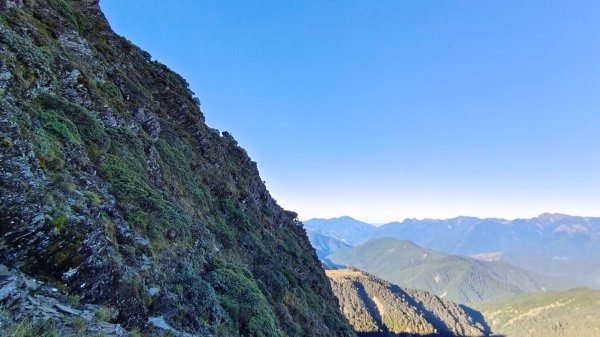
{"x": 347, "y": 218}
{"x": 552, "y": 217}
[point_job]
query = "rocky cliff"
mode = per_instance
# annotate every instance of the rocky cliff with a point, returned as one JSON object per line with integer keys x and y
{"x": 114, "y": 192}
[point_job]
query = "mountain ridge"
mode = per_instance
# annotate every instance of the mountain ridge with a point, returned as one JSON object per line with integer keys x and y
{"x": 325, "y": 246}
{"x": 116, "y": 193}
{"x": 375, "y": 307}
{"x": 554, "y": 244}
{"x": 458, "y": 278}
{"x": 345, "y": 229}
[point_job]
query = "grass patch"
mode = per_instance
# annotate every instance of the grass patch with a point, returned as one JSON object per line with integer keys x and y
{"x": 242, "y": 299}
{"x": 67, "y": 11}
{"x": 28, "y": 328}
{"x": 105, "y": 314}
{"x": 144, "y": 207}
{"x": 110, "y": 93}
{"x": 82, "y": 120}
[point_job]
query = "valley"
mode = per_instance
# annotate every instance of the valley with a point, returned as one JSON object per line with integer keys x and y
{"x": 497, "y": 293}
{"x": 564, "y": 249}
{"x": 457, "y": 278}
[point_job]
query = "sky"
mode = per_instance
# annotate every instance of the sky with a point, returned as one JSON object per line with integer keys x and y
{"x": 392, "y": 109}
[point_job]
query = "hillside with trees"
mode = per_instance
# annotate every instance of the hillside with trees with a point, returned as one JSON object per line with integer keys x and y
{"x": 375, "y": 307}
{"x": 457, "y": 278}
{"x": 550, "y": 314}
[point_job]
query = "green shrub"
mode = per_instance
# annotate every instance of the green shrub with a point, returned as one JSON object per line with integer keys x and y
{"x": 236, "y": 215}
{"x": 73, "y": 300}
{"x": 79, "y": 324}
{"x": 110, "y": 93}
{"x": 92, "y": 197}
{"x": 86, "y": 124}
{"x": 199, "y": 294}
{"x": 62, "y": 256}
{"x": 105, "y": 314}
{"x": 59, "y": 126}
{"x": 67, "y": 11}
{"x": 130, "y": 186}
{"x": 135, "y": 333}
{"x": 146, "y": 208}
{"x": 136, "y": 92}
{"x": 28, "y": 328}
{"x": 109, "y": 89}
{"x": 5, "y": 142}
{"x": 244, "y": 302}
{"x": 224, "y": 233}
{"x": 59, "y": 220}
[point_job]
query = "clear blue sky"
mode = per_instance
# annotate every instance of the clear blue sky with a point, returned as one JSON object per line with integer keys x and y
{"x": 386, "y": 109}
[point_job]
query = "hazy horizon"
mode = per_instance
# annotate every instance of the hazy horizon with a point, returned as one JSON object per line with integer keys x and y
{"x": 394, "y": 109}
{"x": 444, "y": 218}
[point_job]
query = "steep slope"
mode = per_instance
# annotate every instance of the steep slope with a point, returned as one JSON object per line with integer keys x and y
{"x": 550, "y": 314}
{"x": 375, "y": 307}
{"x": 114, "y": 191}
{"x": 345, "y": 229}
{"x": 458, "y": 278}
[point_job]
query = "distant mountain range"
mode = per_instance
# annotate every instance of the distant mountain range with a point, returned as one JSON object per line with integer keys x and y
{"x": 555, "y": 245}
{"x": 549, "y": 314}
{"x": 549, "y": 235}
{"x": 325, "y": 246}
{"x": 573, "y": 272}
{"x": 344, "y": 229}
{"x": 375, "y": 307}
{"x": 458, "y": 278}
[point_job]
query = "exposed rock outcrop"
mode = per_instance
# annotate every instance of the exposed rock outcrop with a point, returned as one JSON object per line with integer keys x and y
{"x": 25, "y": 297}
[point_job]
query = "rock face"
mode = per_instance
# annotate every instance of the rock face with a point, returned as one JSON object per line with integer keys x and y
{"x": 113, "y": 190}
{"x": 375, "y": 307}
{"x": 40, "y": 302}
